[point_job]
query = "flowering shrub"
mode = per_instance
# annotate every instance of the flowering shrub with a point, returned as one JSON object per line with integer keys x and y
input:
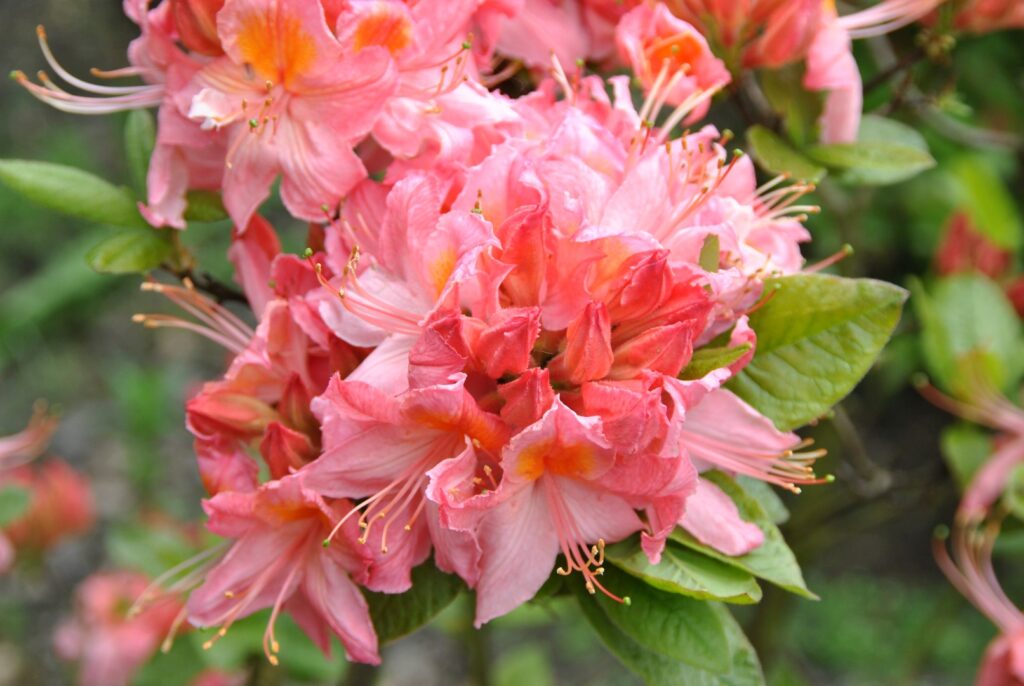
{"x": 547, "y": 335}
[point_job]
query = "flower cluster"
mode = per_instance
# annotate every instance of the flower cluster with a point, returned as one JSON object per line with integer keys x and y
{"x": 487, "y": 354}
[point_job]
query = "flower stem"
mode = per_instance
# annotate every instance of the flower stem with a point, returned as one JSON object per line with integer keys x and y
{"x": 477, "y": 650}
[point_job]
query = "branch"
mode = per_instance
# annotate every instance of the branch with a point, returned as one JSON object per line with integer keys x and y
{"x": 209, "y": 284}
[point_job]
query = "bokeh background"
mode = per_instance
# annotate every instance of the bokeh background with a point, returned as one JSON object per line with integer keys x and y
{"x": 886, "y": 615}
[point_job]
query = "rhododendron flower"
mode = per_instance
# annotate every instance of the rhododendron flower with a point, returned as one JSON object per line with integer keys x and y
{"x": 278, "y": 560}
{"x": 971, "y": 571}
{"x": 544, "y": 325}
{"x": 60, "y": 505}
{"x": 108, "y": 644}
{"x": 294, "y": 100}
{"x": 668, "y": 54}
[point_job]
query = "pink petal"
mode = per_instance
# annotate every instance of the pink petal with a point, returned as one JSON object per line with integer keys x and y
{"x": 713, "y": 519}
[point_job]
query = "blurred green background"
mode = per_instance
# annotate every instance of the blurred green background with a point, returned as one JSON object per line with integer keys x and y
{"x": 886, "y": 615}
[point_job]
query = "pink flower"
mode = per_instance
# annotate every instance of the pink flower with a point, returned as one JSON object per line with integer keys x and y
{"x": 562, "y": 490}
{"x": 537, "y": 310}
{"x": 278, "y": 560}
{"x": 970, "y": 570}
{"x": 60, "y": 505}
{"x": 293, "y": 101}
{"x": 669, "y": 55}
{"x": 109, "y": 645}
{"x": 382, "y": 449}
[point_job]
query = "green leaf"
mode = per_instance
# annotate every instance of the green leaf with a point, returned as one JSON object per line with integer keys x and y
{"x": 988, "y": 202}
{"x": 816, "y": 339}
{"x": 395, "y": 615}
{"x": 71, "y": 191}
{"x": 772, "y": 561}
{"x": 798, "y": 107}
{"x": 14, "y": 500}
{"x": 965, "y": 448}
{"x": 148, "y": 549}
{"x": 966, "y": 319}
{"x": 766, "y": 496}
{"x": 139, "y": 141}
{"x": 204, "y": 206}
{"x": 776, "y": 156}
{"x": 131, "y": 251}
{"x": 656, "y": 669}
{"x": 672, "y": 625}
{"x": 687, "y": 572}
{"x": 708, "y": 359}
{"x": 872, "y": 164}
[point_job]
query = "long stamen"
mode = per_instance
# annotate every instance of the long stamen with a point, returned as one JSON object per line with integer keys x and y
{"x": 785, "y": 468}
{"x": 886, "y": 16}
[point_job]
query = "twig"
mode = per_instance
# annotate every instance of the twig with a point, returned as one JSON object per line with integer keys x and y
{"x": 908, "y": 61}
{"x": 204, "y": 281}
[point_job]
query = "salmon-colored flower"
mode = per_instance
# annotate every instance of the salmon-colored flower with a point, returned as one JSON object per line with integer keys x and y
{"x": 293, "y": 101}
{"x": 278, "y": 560}
{"x": 107, "y": 642}
{"x": 60, "y": 505}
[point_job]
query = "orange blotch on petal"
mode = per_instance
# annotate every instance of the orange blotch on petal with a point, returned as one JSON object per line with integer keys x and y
{"x": 385, "y": 28}
{"x": 574, "y": 461}
{"x": 276, "y": 47}
{"x": 678, "y": 52}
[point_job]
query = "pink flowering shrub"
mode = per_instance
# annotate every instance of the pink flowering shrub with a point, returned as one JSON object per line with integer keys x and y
{"x": 548, "y": 334}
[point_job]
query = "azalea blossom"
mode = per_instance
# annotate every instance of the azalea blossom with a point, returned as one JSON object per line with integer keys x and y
{"x": 541, "y": 328}
{"x": 278, "y": 560}
{"x": 60, "y": 505}
{"x": 108, "y": 644}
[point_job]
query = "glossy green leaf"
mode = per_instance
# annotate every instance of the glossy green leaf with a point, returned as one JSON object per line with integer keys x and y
{"x": 686, "y": 572}
{"x": 798, "y": 107}
{"x": 772, "y": 561}
{"x": 766, "y": 497}
{"x": 204, "y": 206}
{"x": 708, "y": 359}
{"x": 968, "y": 324}
{"x": 656, "y": 669}
{"x": 816, "y": 339}
{"x": 72, "y": 191}
{"x": 148, "y": 549}
{"x": 139, "y": 141}
{"x": 14, "y": 500}
{"x": 776, "y": 156}
{"x": 131, "y": 251}
{"x": 965, "y": 448}
{"x": 669, "y": 624}
{"x": 886, "y": 152}
{"x": 396, "y": 615}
